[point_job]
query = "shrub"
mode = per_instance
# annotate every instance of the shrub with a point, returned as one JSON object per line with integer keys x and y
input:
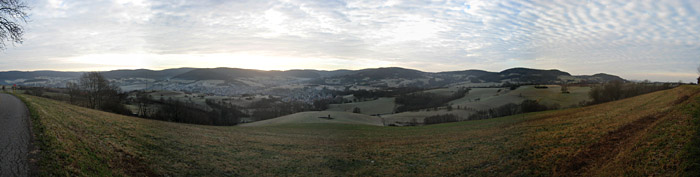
{"x": 356, "y": 110}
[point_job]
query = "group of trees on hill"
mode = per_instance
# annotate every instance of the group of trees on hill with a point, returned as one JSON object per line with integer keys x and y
{"x": 183, "y": 112}
{"x": 360, "y": 95}
{"x": 94, "y": 91}
{"x": 616, "y": 90}
{"x": 174, "y": 110}
{"x": 437, "y": 119}
{"x": 268, "y": 108}
{"x": 423, "y": 100}
{"x": 512, "y": 109}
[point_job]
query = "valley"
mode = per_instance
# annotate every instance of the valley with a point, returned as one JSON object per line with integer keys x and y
{"x": 370, "y": 92}
{"x": 650, "y": 129}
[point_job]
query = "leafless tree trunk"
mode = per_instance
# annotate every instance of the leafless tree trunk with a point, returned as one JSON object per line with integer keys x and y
{"x": 95, "y": 86}
{"x": 12, "y": 13}
{"x": 73, "y": 92}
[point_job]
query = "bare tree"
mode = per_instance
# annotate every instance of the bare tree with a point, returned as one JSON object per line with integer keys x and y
{"x": 97, "y": 88}
{"x": 73, "y": 92}
{"x": 12, "y": 13}
{"x": 143, "y": 103}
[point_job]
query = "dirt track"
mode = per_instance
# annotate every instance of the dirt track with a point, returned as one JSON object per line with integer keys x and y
{"x": 14, "y": 137}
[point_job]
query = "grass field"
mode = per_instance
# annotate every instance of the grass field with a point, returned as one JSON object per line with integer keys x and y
{"x": 480, "y": 99}
{"x": 648, "y": 135}
{"x": 492, "y": 97}
{"x": 378, "y": 106}
{"x": 320, "y": 117}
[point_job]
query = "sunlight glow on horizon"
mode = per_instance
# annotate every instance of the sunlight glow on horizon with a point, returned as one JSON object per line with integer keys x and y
{"x": 106, "y": 62}
{"x": 635, "y": 40}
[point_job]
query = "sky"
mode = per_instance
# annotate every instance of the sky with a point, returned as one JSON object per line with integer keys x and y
{"x": 637, "y": 40}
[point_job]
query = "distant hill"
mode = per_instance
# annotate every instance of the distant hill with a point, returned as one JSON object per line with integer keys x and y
{"x": 246, "y": 80}
{"x": 407, "y": 77}
{"x": 234, "y": 73}
{"x": 145, "y": 73}
{"x": 601, "y": 77}
{"x": 13, "y": 75}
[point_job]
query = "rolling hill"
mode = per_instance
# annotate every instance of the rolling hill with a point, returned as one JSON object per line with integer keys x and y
{"x": 380, "y": 77}
{"x": 146, "y": 73}
{"x": 648, "y": 135}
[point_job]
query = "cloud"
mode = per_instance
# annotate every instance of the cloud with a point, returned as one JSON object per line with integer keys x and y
{"x": 583, "y": 37}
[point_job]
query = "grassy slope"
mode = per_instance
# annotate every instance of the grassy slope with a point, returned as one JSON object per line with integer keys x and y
{"x": 647, "y": 135}
{"x": 490, "y": 98}
{"x": 379, "y": 106}
{"x": 315, "y": 117}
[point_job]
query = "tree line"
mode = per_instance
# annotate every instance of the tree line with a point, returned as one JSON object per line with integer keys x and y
{"x": 512, "y": 109}
{"x": 617, "y": 90}
{"x": 94, "y": 91}
{"x": 423, "y": 100}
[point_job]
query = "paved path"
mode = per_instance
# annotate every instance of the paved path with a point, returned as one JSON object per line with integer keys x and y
{"x": 14, "y": 137}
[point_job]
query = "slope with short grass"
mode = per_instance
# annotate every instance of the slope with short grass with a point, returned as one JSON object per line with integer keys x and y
{"x": 640, "y": 136}
{"x": 320, "y": 117}
{"x": 373, "y": 107}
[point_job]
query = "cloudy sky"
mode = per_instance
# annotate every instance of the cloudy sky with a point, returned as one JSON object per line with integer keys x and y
{"x": 644, "y": 39}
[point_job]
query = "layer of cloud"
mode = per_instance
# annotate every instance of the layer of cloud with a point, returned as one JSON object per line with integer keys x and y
{"x": 632, "y": 39}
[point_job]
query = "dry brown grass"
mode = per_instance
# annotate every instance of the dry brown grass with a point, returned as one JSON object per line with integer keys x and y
{"x": 91, "y": 143}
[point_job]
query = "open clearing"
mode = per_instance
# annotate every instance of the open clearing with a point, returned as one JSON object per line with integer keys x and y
{"x": 640, "y": 136}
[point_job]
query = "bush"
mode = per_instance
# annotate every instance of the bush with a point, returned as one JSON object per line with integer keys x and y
{"x": 356, "y": 110}
{"x": 36, "y": 91}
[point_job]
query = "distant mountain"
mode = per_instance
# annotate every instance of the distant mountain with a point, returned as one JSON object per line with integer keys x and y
{"x": 20, "y": 77}
{"x": 145, "y": 73}
{"x": 334, "y": 72}
{"x": 401, "y": 77}
{"x": 601, "y": 77}
{"x": 235, "y": 80}
{"x": 384, "y": 73}
{"x": 12, "y": 75}
{"x": 537, "y": 76}
{"x": 235, "y": 73}
{"x": 379, "y": 77}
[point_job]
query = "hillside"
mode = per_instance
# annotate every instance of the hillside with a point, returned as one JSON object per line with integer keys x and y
{"x": 319, "y": 117}
{"x": 641, "y": 136}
